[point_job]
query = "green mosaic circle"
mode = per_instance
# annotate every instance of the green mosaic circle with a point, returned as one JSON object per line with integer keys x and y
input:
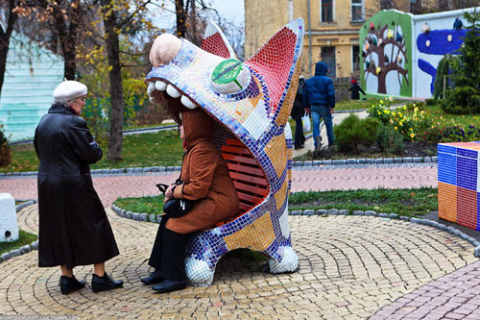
{"x": 226, "y": 72}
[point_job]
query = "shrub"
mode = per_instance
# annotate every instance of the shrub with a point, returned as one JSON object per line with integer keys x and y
{"x": 389, "y": 140}
{"x": 405, "y": 121}
{"x": 5, "y": 156}
{"x": 465, "y": 96}
{"x": 353, "y": 132}
{"x": 462, "y": 100}
{"x": 443, "y": 69}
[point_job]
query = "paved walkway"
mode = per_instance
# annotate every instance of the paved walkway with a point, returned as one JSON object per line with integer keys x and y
{"x": 350, "y": 267}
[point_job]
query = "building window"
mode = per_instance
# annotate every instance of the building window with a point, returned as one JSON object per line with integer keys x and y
{"x": 355, "y": 58}
{"x": 327, "y": 10}
{"x": 357, "y": 10}
{"x": 328, "y": 56}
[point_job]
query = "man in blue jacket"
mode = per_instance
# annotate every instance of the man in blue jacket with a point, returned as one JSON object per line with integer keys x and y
{"x": 319, "y": 95}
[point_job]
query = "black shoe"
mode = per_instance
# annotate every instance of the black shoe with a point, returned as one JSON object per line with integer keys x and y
{"x": 68, "y": 285}
{"x": 299, "y": 147}
{"x": 154, "y": 278}
{"x": 168, "y": 285}
{"x": 105, "y": 283}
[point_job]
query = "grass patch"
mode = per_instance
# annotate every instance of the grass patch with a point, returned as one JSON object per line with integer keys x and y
{"x": 142, "y": 205}
{"x": 141, "y": 150}
{"x": 464, "y": 120}
{"x": 348, "y": 104}
{"x": 405, "y": 202}
{"x": 24, "y": 238}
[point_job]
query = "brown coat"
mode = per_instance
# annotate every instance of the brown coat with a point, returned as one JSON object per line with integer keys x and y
{"x": 206, "y": 179}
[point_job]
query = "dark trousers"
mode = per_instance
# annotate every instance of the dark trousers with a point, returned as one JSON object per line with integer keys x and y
{"x": 299, "y": 139}
{"x": 168, "y": 254}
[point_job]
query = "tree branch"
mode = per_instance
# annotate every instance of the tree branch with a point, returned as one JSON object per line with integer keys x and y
{"x": 139, "y": 8}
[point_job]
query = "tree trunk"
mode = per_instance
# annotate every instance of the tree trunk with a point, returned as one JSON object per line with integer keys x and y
{"x": 181, "y": 18}
{"x": 5, "y": 41}
{"x": 67, "y": 36}
{"x": 115, "y": 138}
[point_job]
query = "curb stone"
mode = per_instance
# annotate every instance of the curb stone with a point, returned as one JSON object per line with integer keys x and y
{"x": 308, "y": 163}
{"x": 309, "y": 212}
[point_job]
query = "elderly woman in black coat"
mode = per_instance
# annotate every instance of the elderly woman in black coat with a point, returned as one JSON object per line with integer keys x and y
{"x": 74, "y": 228}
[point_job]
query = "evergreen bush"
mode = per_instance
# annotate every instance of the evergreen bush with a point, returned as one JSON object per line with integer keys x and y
{"x": 443, "y": 70}
{"x": 464, "y": 97}
{"x": 353, "y": 132}
{"x": 390, "y": 140}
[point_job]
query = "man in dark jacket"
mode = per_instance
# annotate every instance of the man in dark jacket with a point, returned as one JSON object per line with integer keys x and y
{"x": 73, "y": 226}
{"x": 319, "y": 96}
{"x": 297, "y": 113}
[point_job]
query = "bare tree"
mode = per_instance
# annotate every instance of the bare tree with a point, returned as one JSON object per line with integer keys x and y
{"x": 60, "y": 19}
{"x": 9, "y": 8}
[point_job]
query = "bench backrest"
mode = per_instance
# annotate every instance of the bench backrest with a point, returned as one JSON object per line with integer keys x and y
{"x": 246, "y": 173}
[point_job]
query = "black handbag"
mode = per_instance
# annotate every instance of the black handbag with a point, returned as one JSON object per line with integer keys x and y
{"x": 175, "y": 208}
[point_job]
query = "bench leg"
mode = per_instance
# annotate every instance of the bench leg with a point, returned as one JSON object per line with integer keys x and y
{"x": 199, "y": 274}
{"x": 288, "y": 262}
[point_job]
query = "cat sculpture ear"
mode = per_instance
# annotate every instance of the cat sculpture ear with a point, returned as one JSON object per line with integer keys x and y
{"x": 215, "y": 42}
{"x": 277, "y": 62}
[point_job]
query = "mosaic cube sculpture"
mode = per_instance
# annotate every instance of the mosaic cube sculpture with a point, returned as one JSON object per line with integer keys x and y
{"x": 8, "y": 218}
{"x": 458, "y": 183}
{"x": 251, "y": 103}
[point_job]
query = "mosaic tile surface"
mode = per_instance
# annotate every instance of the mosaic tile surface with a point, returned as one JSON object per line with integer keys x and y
{"x": 459, "y": 183}
{"x": 251, "y": 102}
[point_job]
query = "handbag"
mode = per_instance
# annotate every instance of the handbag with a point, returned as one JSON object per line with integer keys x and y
{"x": 175, "y": 208}
{"x": 306, "y": 123}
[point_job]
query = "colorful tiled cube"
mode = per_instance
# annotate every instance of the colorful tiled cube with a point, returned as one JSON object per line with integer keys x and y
{"x": 459, "y": 183}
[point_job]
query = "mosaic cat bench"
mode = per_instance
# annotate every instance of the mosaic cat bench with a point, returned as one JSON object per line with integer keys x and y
{"x": 251, "y": 103}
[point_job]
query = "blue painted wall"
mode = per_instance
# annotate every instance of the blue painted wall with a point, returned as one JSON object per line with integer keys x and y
{"x": 32, "y": 73}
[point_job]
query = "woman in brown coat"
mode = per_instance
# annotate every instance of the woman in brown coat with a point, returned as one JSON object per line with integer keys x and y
{"x": 206, "y": 180}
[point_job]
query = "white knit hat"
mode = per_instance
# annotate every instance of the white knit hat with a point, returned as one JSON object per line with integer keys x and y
{"x": 69, "y": 90}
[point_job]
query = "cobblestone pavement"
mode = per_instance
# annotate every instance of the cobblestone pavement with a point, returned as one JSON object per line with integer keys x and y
{"x": 350, "y": 267}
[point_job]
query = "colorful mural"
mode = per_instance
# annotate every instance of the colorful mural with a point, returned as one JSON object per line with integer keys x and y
{"x": 401, "y": 51}
{"x": 386, "y": 63}
{"x": 251, "y": 102}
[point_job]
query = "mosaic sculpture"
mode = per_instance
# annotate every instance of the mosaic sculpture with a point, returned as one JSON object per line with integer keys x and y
{"x": 251, "y": 103}
{"x": 459, "y": 183}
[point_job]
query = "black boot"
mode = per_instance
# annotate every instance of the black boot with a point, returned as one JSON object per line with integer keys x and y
{"x": 68, "y": 285}
{"x": 168, "y": 285}
{"x": 154, "y": 278}
{"x": 105, "y": 283}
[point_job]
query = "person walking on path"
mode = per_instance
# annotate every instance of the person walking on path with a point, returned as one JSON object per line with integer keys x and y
{"x": 319, "y": 96}
{"x": 355, "y": 89}
{"x": 204, "y": 179}
{"x": 73, "y": 226}
{"x": 298, "y": 111}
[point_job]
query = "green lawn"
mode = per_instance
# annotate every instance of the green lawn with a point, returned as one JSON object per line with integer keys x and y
{"x": 142, "y": 150}
{"x": 406, "y": 202}
{"x": 23, "y": 239}
{"x": 360, "y": 104}
{"x": 463, "y": 120}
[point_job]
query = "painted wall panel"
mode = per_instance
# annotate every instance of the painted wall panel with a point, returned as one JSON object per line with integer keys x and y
{"x": 32, "y": 73}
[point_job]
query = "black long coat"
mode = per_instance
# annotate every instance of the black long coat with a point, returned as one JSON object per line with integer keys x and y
{"x": 74, "y": 228}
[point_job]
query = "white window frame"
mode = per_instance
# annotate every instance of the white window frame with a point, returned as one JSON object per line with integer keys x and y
{"x": 333, "y": 13}
{"x": 362, "y": 4}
